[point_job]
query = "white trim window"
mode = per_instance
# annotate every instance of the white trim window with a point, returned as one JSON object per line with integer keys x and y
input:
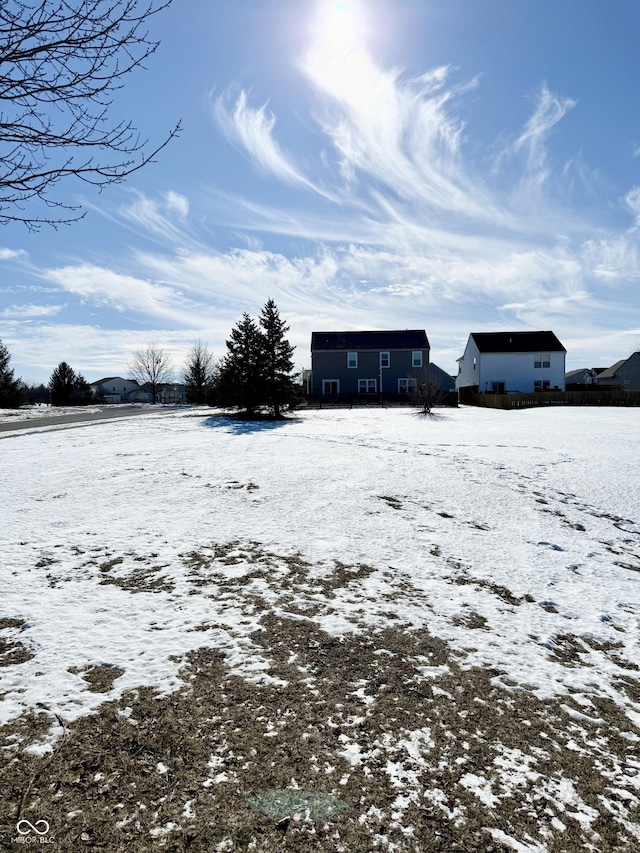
{"x": 352, "y": 359}
{"x": 416, "y": 359}
{"x": 385, "y": 359}
{"x": 367, "y": 386}
{"x": 407, "y": 386}
{"x": 330, "y": 387}
{"x": 542, "y": 359}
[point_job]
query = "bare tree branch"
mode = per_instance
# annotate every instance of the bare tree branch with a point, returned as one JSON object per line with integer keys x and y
{"x": 151, "y": 366}
{"x": 61, "y": 61}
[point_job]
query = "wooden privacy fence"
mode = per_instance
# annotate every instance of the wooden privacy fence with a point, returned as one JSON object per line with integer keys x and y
{"x": 613, "y": 396}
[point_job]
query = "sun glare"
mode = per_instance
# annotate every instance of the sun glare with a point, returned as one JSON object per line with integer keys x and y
{"x": 338, "y": 22}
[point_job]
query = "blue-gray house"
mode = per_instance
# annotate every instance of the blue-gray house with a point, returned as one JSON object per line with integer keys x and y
{"x": 348, "y": 364}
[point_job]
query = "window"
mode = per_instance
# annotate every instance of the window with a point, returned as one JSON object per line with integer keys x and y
{"x": 384, "y": 359}
{"x": 406, "y": 386}
{"x": 367, "y": 386}
{"x": 331, "y": 387}
{"x": 541, "y": 385}
{"x": 416, "y": 359}
{"x": 542, "y": 359}
{"x": 497, "y": 387}
{"x": 475, "y": 362}
{"x": 352, "y": 359}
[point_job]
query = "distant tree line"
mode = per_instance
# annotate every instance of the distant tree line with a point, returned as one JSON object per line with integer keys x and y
{"x": 255, "y": 376}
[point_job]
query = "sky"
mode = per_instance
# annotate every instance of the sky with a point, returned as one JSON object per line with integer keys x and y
{"x": 440, "y": 164}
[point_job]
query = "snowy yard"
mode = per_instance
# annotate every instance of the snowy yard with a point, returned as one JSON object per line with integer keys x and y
{"x": 425, "y": 629}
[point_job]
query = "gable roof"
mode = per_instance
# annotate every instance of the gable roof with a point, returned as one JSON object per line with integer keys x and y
{"x": 413, "y": 339}
{"x": 610, "y": 372}
{"x": 517, "y": 342}
{"x": 443, "y": 380}
{"x": 112, "y": 379}
{"x": 585, "y": 371}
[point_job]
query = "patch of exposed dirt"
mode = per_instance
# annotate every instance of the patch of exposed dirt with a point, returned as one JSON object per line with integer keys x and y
{"x": 424, "y": 756}
{"x": 12, "y": 650}
{"x": 100, "y": 678}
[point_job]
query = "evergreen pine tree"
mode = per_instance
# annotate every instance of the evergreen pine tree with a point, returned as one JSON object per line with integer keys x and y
{"x": 241, "y": 384}
{"x": 68, "y": 388}
{"x": 10, "y": 388}
{"x": 279, "y": 386}
{"x": 82, "y": 394}
{"x": 199, "y": 373}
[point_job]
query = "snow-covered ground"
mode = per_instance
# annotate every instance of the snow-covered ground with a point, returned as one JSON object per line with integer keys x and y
{"x": 513, "y": 537}
{"x": 41, "y": 410}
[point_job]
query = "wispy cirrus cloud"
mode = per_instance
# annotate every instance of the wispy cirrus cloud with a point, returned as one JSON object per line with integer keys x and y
{"x": 29, "y": 312}
{"x": 632, "y": 201}
{"x": 251, "y": 129}
{"x": 165, "y": 218}
{"x": 550, "y": 109}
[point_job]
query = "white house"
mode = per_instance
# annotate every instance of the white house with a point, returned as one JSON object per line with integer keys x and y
{"x": 115, "y": 389}
{"x": 517, "y": 362}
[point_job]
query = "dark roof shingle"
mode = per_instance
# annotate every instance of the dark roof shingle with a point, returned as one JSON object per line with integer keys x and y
{"x": 517, "y": 342}
{"x": 414, "y": 339}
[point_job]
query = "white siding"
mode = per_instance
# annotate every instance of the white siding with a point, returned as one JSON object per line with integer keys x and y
{"x": 469, "y": 366}
{"x": 516, "y": 370}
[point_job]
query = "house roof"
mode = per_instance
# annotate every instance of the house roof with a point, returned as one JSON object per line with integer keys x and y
{"x": 584, "y": 371}
{"x": 610, "y": 372}
{"x": 517, "y": 342}
{"x": 111, "y": 379}
{"x": 444, "y": 380}
{"x": 414, "y": 339}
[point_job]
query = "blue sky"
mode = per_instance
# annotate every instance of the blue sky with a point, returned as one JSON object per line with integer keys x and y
{"x": 441, "y": 164}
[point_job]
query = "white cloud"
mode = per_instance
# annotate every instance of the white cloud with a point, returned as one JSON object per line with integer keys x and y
{"x": 550, "y": 108}
{"x": 12, "y": 254}
{"x": 252, "y": 130}
{"x": 178, "y": 204}
{"x": 632, "y": 201}
{"x": 105, "y": 287}
{"x": 25, "y": 312}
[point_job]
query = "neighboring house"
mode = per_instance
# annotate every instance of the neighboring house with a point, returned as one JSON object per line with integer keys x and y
{"x": 625, "y": 373}
{"x": 440, "y": 377}
{"x": 516, "y": 362}
{"x": 583, "y": 376}
{"x": 115, "y": 389}
{"x": 171, "y": 393}
{"x": 347, "y": 364}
